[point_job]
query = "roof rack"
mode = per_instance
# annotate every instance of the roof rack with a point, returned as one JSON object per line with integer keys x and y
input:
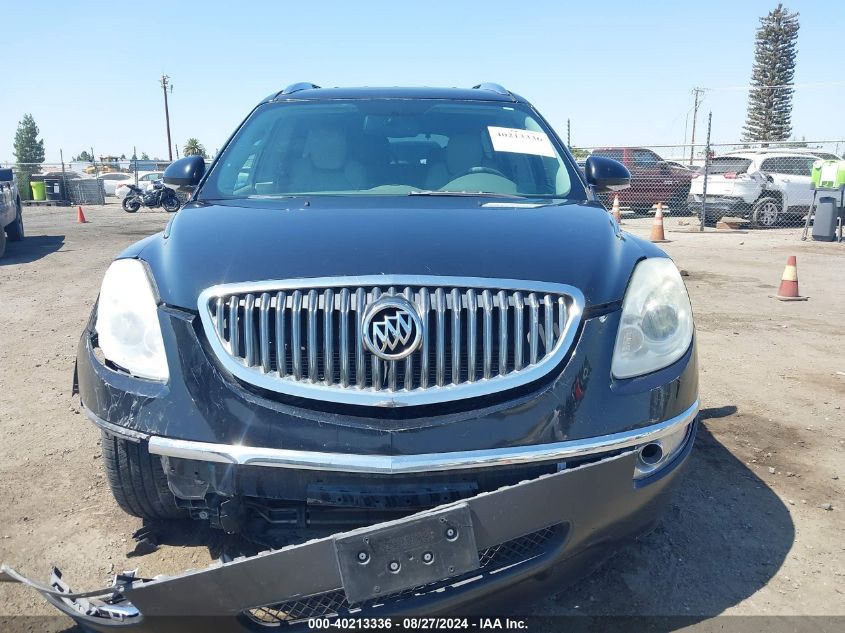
{"x": 498, "y": 89}
{"x": 302, "y": 85}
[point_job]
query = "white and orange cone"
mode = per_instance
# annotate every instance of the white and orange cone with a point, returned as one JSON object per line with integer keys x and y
{"x": 617, "y": 214}
{"x": 788, "y": 290}
{"x": 657, "y": 234}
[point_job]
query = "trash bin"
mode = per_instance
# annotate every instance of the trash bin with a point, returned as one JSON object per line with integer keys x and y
{"x": 38, "y": 190}
{"x": 828, "y": 174}
{"x": 824, "y": 223}
{"x": 55, "y": 189}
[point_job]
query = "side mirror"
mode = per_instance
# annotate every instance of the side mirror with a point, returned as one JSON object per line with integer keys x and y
{"x": 606, "y": 174}
{"x": 185, "y": 172}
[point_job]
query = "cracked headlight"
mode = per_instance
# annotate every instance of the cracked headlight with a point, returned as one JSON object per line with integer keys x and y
{"x": 656, "y": 325}
{"x": 127, "y": 321}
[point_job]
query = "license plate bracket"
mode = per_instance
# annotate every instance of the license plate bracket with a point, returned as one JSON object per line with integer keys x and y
{"x": 379, "y": 561}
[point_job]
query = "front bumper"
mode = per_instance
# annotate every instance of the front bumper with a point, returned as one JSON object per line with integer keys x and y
{"x": 201, "y": 403}
{"x": 719, "y": 206}
{"x": 559, "y": 525}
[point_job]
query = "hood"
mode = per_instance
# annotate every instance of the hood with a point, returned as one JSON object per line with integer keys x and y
{"x": 245, "y": 240}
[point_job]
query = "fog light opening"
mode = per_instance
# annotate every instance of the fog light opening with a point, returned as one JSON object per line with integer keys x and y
{"x": 651, "y": 454}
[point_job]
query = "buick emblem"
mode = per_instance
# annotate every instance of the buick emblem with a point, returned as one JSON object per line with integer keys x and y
{"x": 392, "y": 328}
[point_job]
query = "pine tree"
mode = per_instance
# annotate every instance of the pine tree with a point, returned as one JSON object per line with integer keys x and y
{"x": 28, "y": 149}
{"x": 769, "y": 116}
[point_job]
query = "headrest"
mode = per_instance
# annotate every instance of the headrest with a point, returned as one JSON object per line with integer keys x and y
{"x": 326, "y": 147}
{"x": 462, "y": 152}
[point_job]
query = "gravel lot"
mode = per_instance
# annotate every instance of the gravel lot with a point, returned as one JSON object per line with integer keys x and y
{"x": 750, "y": 531}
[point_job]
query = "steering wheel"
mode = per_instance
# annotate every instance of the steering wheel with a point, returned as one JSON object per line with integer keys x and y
{"x": 481, "y": 170}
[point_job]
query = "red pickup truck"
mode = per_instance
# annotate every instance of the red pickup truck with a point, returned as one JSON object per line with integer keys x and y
{"x": 653, "y": 180}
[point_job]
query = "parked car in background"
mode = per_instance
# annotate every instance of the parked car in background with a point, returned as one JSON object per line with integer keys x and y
{"x": 11, "y": 212}
{"x": 112, "y": 180}
{"x": 764, "y": 186}
{"x": 653, "y": 180}
{"x": 145, "y": 179}
{"x": 67, "y": 173}
{"x": 677, "y": 165}
{"x": 818, "y": 153}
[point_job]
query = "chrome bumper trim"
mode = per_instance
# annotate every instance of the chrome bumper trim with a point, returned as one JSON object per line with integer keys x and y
{"x": 428, "y": 462}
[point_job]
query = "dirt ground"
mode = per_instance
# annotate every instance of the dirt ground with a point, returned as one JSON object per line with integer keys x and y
{"x": 749, "y": 532}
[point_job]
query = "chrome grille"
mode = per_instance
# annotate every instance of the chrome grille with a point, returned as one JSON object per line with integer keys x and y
{"x": 304, "y": 337}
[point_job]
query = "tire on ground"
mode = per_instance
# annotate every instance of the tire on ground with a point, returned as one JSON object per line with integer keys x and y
{"x": 15, "y": 229}
{"x": 130, "y": 204}
{"x": 765, "y": 212}
{"x": 137, "y": 480}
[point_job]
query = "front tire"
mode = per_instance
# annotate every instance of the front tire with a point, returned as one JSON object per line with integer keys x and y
{"x": 171, "y": 203}
{"x": 15, "y": 229}
{"x": 130, "y": 204}
{"x": 765, "y": 213}
{"x": 137, "y": 480}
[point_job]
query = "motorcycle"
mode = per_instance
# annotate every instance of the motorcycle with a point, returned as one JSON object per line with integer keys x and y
{"x": 156, "y": 195}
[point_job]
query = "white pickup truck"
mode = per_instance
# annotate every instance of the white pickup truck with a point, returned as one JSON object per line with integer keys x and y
{"x": 11, "y": 215}
{"x": 766, "y": 187}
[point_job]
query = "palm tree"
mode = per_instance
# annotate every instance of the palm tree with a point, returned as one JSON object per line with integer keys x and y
{"x": 193, "y": 148}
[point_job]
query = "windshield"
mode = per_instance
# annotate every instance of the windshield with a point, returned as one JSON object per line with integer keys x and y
{"x": 728, "y": 164}
{"x": 392, "y": 147}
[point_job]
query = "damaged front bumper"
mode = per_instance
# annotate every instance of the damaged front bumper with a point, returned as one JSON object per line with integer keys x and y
{"x": 449, "y": 559}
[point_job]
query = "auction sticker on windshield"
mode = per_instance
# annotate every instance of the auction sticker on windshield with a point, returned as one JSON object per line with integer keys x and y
{"x": 508, "y": 139}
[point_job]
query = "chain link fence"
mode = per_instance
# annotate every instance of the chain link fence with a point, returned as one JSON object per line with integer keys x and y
{"x": 729, "y": 185}
{"x": 736, "y": 185}
{"x": 84, "y": 182}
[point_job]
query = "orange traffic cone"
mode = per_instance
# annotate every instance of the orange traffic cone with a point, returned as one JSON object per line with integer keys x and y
{"x": 657, "y": 234}
{"x": 80, "y": 217}
{"x": 788, "y": 290}
{"x": 617, "y": 214}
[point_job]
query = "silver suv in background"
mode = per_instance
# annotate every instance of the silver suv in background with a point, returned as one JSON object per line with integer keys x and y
{"x": 765, "y": 186}
{"x": 11, "y": 215}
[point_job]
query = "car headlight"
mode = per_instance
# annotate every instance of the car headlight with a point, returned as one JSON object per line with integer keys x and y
{"x": 656, "y": 325}
{"x": 127, "y": 321}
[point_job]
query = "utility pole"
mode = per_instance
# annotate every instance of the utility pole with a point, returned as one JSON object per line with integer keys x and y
{"x": 165, "y": 83}
{"x": 697, "y": 92}
{"x": 568, "y": 139}
{"x": 706, "y": 173}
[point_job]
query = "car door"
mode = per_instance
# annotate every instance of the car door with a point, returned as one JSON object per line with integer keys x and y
{"x": 800, "y": 191}
{"x": 785, "y": 172}
{"x": 655, "y": 176}
{"x": 7, "y": 206}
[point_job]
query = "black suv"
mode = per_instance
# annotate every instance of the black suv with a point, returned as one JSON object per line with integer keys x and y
{"x": 400, "y": 312}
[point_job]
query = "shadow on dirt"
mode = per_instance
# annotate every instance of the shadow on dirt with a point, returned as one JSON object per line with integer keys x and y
{"x": 31, "y": 248}
{"x": 723, "y": 537}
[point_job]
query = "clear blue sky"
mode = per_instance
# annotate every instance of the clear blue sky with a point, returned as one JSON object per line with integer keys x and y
{"x": 622, "y": 71}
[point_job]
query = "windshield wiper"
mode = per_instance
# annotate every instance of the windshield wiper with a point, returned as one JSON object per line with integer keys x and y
{"x": 468, "y": 194}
